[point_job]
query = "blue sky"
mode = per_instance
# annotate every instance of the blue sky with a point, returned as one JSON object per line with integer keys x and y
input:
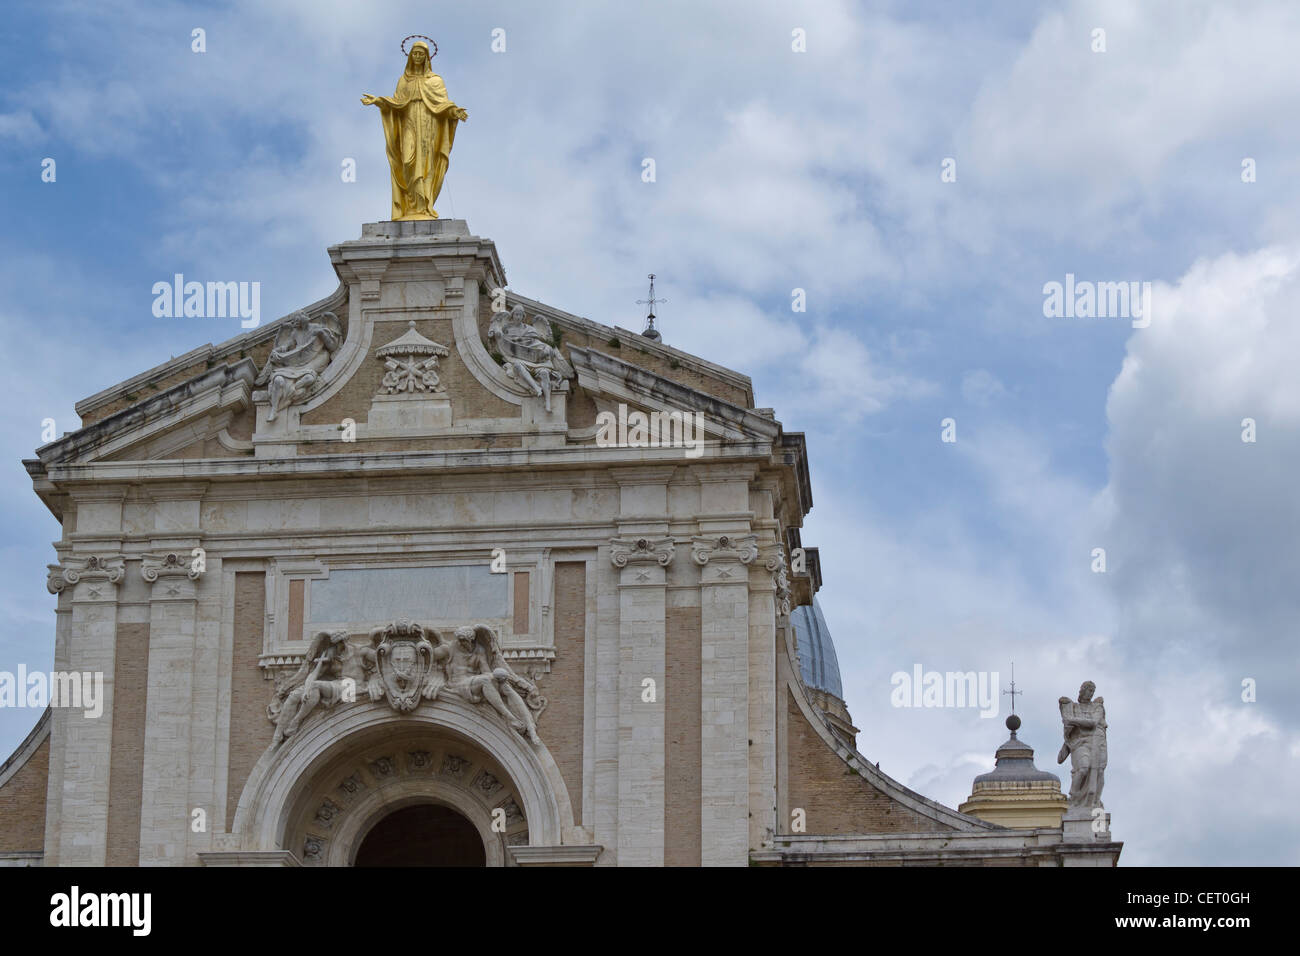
{"x": 778, "y": 170}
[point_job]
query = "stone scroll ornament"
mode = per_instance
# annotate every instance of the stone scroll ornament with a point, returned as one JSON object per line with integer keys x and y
{"x": 1084, "y": 724}
{"x": 303, "y": 347}
{"x": 108, "y": 569}
{"x": 776, "y": 563}
{"x": 406, "y": 663}
{"x": 528, "y": 355}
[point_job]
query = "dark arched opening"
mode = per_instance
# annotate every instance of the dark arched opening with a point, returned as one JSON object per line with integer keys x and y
{"x": 427, "y": 834}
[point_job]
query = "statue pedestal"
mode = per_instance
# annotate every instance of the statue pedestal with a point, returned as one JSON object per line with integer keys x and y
{"x": 407, "y": 228}
{"x": 1086, "y": 825}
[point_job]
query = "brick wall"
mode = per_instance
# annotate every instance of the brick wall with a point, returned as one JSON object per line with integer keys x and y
{"x": 126, "y": 772}
{"x": 22, "y": 804}
{"x": 561, "y": 723}
{"x": 835, "y": 798}
{"x": 682, "y": 691}
{"x": 250, "y": 692}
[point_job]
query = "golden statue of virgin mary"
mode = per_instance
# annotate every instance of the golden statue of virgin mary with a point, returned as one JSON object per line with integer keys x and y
{"x": 419, "y": 128}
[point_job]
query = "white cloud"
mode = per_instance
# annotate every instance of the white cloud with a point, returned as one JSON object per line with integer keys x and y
{"x": 981, "y": 387}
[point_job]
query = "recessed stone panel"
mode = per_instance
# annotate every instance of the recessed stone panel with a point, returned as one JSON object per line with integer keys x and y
{"x": 449, "y": 593}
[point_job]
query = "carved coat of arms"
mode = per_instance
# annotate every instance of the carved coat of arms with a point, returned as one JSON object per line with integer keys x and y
{"x": 404, "y": 661}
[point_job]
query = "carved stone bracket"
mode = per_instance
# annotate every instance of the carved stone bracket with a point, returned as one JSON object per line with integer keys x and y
{"x": 742, "y": 548}
{"x": 154, "y": 566}
{"x": 776, "y": 563}
{"x": 108, "y": 568}
{"x": 623, "y": 551}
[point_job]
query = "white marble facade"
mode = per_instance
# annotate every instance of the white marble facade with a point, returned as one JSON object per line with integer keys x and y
{"x": 349, "y": 540}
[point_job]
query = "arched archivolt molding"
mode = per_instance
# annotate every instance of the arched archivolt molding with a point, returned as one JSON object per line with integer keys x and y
{"x": 341, "y": 803}
{"x": 412, "y": 792}
{"x": 287, "y": 776}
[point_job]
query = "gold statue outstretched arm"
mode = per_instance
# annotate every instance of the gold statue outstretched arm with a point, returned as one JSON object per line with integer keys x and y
{"x": 419, "y": 122}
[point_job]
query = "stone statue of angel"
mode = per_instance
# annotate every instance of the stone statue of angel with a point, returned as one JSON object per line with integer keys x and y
{"x": 302, "y": 349}
{"x": 529, "y": 356}
{"x": 331, "y": 672}
{"x": 1084, "y": 725}
{"x": 476, "y": 669}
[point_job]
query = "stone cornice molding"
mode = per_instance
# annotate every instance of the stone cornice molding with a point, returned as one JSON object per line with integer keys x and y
{"x": 109, "y": 568}
{"x": 600, "y": 331}
{"x": 742, "y": 548}
{"x": 334, "y": 465}
{"x": 208, "y": 354}
{"x": 650, "y": 475}
{"x": 177, "y": 490}
{"x": 730, "y": 471}
{"x": 91, "y": 491}
{"x": 614, "y": 378}
{"x": 624, "y": 551}
{"x": 223, "y": 387}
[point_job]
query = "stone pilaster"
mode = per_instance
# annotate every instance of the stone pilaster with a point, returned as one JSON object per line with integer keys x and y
{"x": 724, "y": 704}
{"x": 769, "y": 602}
{"x": 724, "y": 550}
{"x": 179, "y": 687}
{"x": 641, "y": 553}
{"x": 81, "y": 808}
{"x": 165, "y": 802}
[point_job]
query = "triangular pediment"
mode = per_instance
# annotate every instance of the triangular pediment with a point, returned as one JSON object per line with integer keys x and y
{"x": 422, "y": 348}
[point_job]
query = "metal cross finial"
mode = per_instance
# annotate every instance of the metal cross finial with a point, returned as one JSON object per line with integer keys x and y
{"x": 652, "y": 301}
{"x": 1013, "y": 690}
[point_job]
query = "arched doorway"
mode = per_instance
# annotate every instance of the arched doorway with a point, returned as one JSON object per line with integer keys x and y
{"x": 424, "y": 834}
{"x": 324, "y": 788}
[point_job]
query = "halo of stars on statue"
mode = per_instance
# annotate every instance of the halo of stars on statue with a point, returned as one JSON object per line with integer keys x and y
{"x": 420, "y": 36}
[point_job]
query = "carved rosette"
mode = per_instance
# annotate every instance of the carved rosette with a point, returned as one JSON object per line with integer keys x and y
{"x": 742, "y": 548}
{"x": 107, "y": 568}
{"x": 154, "y": 566}
{"x": 624, "y": 551}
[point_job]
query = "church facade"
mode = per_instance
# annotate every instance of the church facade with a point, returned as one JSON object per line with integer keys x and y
{"x": 429, "y": 572}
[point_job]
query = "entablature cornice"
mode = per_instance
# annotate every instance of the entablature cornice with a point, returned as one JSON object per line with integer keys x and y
{"x": 382, "y": 463}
